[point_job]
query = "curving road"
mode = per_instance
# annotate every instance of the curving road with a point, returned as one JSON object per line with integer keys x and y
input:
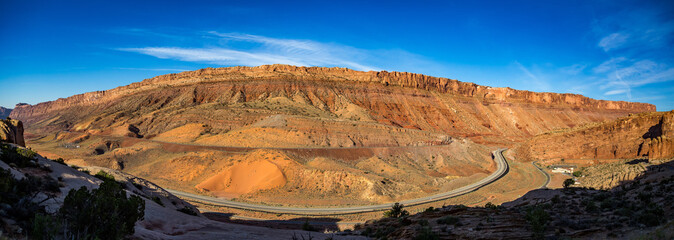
{"x": 547, "y": 176}
{"x": 501, "y": 169}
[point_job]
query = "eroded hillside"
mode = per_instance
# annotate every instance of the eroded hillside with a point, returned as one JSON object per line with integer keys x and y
{"x": 225, "y": 99}
{"x": 303, "y": 135}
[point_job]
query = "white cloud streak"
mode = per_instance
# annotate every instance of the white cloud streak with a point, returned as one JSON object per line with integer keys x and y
{"x": 265, "y": 50}
{"x": 156, "y": 69}
{"x": 540, "y": 84}
{"x": 613, "y": 41}
{"x": 622, "y": 75}
{"x": 638, "y": 39}
{"x": 614, "y": 92}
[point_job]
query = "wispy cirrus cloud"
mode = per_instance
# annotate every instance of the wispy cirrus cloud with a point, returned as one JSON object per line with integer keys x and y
{"x": 614, "y": 92}
{"x": 613, "y": 41}
{"x": 264, "y": 50}
{"x": 636, "y": 43}
{"x": 156, "y": 69}
{"x": 539, "y": 83}
{"x": 621, "y": 75}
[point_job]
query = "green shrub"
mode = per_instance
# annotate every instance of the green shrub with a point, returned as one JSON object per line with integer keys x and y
{"x": 157, "y": 200}
{"x": 20, "y": 157}
{"x": 555, "y": 199}
{"x": 44, "y": 227}
{"x": 651, "y": 216}
{"x": 23, "y": 210}
{"x": 644, "y": 197}
{"x": 382, "y": 233}
{"x": 396, "y": 211}
{"x": 17, "y": 194}
{"x": 187, "y": 210}
{"x": 590, "y": 206}
{"x": 538, "y": 219}
{"x": 27, "y": 153}
{"x": 307, "y": 227}
{"x": 61, "y": 161}
{"x": 450, "y": 220}
{"x": 490, "y": 205}
{"x": 577, "y": 173}
{"x": 426, "y": 233}
{"x": 103, "y": 213}
{"x": 568, "y": 182}
{"x": 50, "y": 185}
{"x": 104, "y": 176}
{"x": 608, "y": 203}
{"x": 367, "y": 232}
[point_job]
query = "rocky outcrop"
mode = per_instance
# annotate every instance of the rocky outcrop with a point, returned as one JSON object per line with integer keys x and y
{"x": 4, "y": 112}
{"x": 11, "y": 131}
{"x": 646, "y": 135}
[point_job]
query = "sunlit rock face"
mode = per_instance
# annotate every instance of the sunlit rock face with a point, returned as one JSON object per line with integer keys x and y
{"x": 11, "y": 131}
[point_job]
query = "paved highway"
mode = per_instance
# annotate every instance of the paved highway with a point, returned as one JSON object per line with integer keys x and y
{"x": 547, "y": 176}
{"x": 501, "y": 169}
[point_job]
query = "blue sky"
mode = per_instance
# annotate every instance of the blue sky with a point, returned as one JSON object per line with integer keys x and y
{"x": 613, "y": 50}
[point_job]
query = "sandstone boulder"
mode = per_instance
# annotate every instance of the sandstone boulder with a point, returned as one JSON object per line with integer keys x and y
{"x": 11, "y": 131}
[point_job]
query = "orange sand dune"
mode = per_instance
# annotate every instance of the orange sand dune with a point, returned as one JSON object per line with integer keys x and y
{"x": 245, "y": 177}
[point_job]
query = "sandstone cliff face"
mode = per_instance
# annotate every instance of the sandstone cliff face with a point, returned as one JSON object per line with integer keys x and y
{"x": 649, "y": 135}
{"x": 397, "y": 99}
{"x": 285, "y": 72}
{"x": 11, "y": 131}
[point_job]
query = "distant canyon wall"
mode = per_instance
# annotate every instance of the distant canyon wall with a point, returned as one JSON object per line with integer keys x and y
{"x": 4, "y": 112}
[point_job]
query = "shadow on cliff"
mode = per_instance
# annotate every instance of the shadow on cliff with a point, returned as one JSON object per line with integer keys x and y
{"x": 319, "y": 224}
{"x": 652, "y": 171}
{"x": 654, "y": 131}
